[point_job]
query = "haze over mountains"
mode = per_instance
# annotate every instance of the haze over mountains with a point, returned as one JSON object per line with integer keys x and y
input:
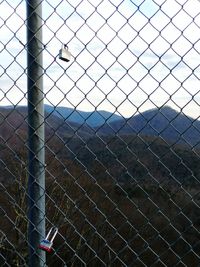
{"x": 93, "y": 119}
{"x": 163, "y": 122}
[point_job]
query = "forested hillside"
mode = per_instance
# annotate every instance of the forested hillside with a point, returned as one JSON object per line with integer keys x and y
{"x": 106, "y": 193}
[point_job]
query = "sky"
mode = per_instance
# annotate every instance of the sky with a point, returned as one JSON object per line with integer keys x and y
{"x": 128, "y": 56}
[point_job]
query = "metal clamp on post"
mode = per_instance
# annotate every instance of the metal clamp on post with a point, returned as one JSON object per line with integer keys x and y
{"x": 64, "y": 54}
{"x": 47, "y": 243}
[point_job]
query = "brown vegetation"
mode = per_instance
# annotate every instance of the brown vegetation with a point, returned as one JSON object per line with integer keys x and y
{"x": 126, "y": 201}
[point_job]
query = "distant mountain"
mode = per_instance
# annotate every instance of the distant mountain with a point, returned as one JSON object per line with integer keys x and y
{"x": 163, "y": 122}
{"x": 14, "y": 126}
{"x": 92, "y": 119}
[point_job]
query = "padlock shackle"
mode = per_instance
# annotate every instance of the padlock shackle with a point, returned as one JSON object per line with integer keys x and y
{"x": 55, "y": 229}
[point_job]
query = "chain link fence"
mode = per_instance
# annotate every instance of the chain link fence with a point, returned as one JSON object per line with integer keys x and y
{"x": 122, "y": 132}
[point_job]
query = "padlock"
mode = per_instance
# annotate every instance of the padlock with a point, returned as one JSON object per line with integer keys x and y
{"x": 47, "y": 243}
{"x": 64, "y": 54}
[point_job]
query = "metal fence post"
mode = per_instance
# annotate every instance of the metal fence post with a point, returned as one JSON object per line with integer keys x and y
{"x": 36, "y": 183}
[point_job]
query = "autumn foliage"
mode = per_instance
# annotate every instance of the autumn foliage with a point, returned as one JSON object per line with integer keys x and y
{"x": 117, "y": 201}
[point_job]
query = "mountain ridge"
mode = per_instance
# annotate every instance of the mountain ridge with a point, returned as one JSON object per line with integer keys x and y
{"x": 163, "y": 122}
{"x": 93, "y": 118}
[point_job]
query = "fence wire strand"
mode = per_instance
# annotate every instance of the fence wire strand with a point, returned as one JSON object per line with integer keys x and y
{"x": 122, "y": 132}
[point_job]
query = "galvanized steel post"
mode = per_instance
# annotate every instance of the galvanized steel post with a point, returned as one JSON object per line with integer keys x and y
{"x": 36, "y": 182}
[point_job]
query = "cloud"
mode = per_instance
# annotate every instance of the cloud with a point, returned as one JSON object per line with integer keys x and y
{"x": 126, "y": 55}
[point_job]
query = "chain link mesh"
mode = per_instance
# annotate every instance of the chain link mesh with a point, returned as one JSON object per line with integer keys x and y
{"x": 122, "y": 132}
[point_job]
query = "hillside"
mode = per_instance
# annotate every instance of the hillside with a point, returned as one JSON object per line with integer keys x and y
{"x": 92, "y": 119}
{"x": 103, "y": 192}
{"x": 129, "y": 158}
{"x": 14, "y": 126}
{"x": 115, "y": 150}
{"x": 164, "y": 122}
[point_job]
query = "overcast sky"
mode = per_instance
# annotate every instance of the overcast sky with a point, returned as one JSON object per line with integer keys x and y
{"x": 127, "y": 55}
